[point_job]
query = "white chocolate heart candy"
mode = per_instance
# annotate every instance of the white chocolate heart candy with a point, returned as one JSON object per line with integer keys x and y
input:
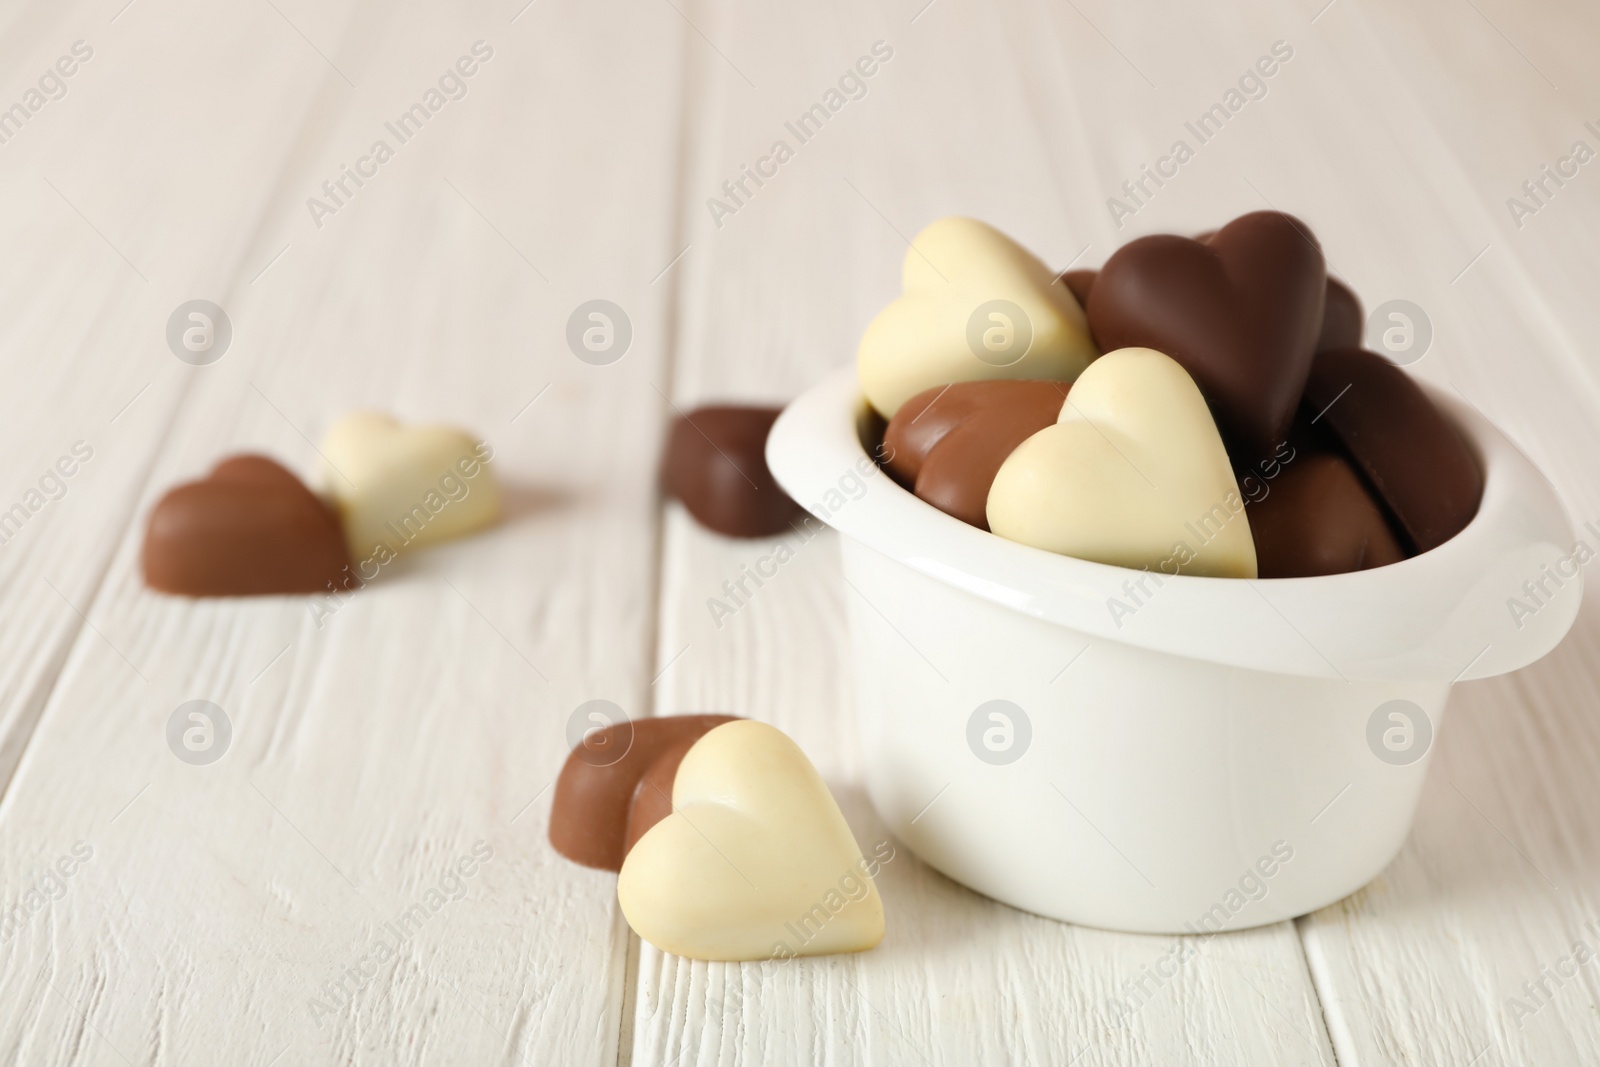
{"x": 399, "y": 487}
{"x": 1133, "y": 474}
{"x": 755, "y": 862}
{"x": 977, "y": 305}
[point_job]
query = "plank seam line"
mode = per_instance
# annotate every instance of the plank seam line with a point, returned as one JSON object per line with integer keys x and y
{"x": 295, "y": 147}
{"x": 679, "y": 207}
{"x": 126, "y": 524}
{"x": 1332, "y": 1028}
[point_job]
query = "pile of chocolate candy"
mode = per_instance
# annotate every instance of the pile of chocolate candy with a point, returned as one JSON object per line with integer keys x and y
{"x": 1232, "y": 427}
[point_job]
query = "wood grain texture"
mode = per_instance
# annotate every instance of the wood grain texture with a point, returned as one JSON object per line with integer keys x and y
{"x": 371, "y": 753}
{"x": 423, "y": 721}
{"x": 959, "y": 978}
{"x": 760, "y": 325}
{"x": 125, "y": 213}
{"x": 1454, "y": 955}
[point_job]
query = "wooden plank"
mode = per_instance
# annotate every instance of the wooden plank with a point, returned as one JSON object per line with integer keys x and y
{"x": 125, "y": 194}
{"x": 421, "y": 725}
{"x": 775, "y": 296}
{"x": 959, "y": 979}
{"x": 1397, "y": 134}
{"x": 1422, "y": 966}
{"x": 1455, "y": 954}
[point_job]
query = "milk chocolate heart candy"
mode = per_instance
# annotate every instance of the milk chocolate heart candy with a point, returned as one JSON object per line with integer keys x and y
{"x": 399, "y": 487}
{"x": 1318, "y": 517}
{"x": 755, "y": 861}
{"x": 977, "y": 305}
{"x": 248, "y": 528}
{"x": 907, "y": 437}
{"x": 1240, "y": 312}
{"x": 1412, "y": 454}
{"x": 595, "y": 790}
{"x": 716, "y": 463}
{"x": 1134, "y": 474}
{"x": 1341, "y": 318}
{"x": 924, "y": 420}
{"x": 652, "y": 796}
{"x": 949, "y": 441}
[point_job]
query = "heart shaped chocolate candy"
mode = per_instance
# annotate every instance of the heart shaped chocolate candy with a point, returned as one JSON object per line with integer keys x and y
{"x": 1341, "y": 311}
{"x": 1413, "y": 455}
{"x": 594, "y": 795}
{"x": 754, "y": 862}
{"x": 1241, "y": 312}
{"x": 248, "y": 528}
{"x": 716, "y": 463}
{"x": 1134, "y": 474}
{"x": 1341, "y": 318}
{"x": 400, "y": 486}
{"x": 1080, "y": 282}
{"x": 976, "y": 305}
{"x": 1318, "y": 517}
{"x": 948, "y": 442}
{"x": 652, "y": 796}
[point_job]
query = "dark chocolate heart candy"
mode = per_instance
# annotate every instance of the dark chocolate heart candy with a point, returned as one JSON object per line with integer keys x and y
{"x": 594, "y": 793}
{"x": 1241, "y": 312}
{"x": 1341, "y": 318}
{"x": 1318, "y": 517}
{"x": 1080, "y": 282}
{"x": 947, "y": 443}
{"x": 248, "y": 528}
{"x": 716, "y": 464}
{"x": 1413, "y": 456}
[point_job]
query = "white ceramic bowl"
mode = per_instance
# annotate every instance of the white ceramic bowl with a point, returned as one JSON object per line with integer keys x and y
{"x": 1224, "y": 756}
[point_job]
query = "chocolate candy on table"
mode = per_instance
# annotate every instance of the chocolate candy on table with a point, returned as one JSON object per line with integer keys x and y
{"x": 1413, "y": 456}
{"x": 755, "y": 861}
{"x": 652, "y": 796}
{"x": 594, "y": 795}
{"x": 1341, "y": 318}
{"x": 399, "y": 486}
{"x": 1241, "y": 312}
{"x": 1318, "y": 517}
{"x": 248, "y": 528}
{"x": 716, "y": 464}
{"x": 948, "y": 442}
{"x": 1080, "y": 282}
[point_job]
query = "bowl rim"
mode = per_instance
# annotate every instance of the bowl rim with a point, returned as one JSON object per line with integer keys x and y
{"x": 1443, "y": 615}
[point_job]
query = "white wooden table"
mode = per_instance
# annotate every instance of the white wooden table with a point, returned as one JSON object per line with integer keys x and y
{"x": 220, "y": 904}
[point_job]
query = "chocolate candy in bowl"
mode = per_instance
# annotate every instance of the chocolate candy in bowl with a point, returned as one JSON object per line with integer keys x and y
{"x": 1318, "y": 517}
{"x": 947, "y": 443}
{"x": 1416, "y": 460}
{"x": 1213, "y": 729}
{"x": 1241, "y": 312}
{"x": 1121, "y": 723}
